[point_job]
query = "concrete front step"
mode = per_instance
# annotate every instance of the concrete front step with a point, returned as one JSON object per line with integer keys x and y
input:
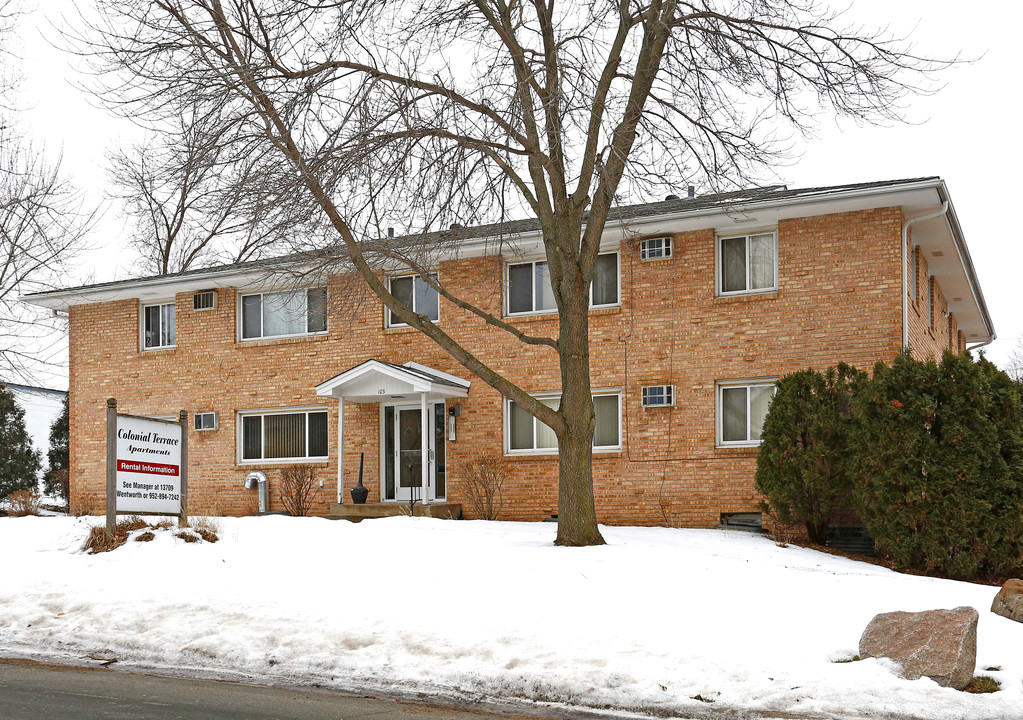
{"x": 356, "y": 513}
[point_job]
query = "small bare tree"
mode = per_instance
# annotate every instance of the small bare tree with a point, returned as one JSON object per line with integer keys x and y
{"x": 482, "y": 481}
{"x": 297, "y": 483}
{"x": 1014, "y": 365}
{"x": 420, "y": 114}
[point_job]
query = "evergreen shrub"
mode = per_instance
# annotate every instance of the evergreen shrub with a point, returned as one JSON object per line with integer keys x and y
{"x": 802, "y": 464}
{"x": 19, "y": 462}
{"x": 936, "y": 460}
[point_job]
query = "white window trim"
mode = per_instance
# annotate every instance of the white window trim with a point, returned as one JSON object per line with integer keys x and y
{"x": 387, "y": 310}
{"x": 240, "y": 432}
{"x": 717, "y": 263}
{"x": 533, "y": 261}
{"x": 142, "y": 325}
{"x": 239, "y": 320}
{"x": 719, "y": 414}
{"x": 554, "y": 451}
{"x": 667, "y": 256}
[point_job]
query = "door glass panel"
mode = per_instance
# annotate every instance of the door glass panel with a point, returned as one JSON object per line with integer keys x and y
{"x": 389, "y": 453}
{"x": 439, "y": 433}
{"x": 410, "y": 449}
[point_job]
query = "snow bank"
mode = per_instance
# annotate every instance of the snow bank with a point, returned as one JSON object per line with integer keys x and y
{"x": 493, "y": 611}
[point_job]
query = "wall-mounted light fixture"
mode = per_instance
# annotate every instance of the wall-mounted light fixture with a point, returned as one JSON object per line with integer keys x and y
{"x": 453, "y": 412}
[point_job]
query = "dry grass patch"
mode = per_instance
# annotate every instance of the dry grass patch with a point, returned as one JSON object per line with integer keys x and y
{"x": 982, "y": 684}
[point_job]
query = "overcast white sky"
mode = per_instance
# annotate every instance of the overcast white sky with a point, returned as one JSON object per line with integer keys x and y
{"x": 967, "y": 133}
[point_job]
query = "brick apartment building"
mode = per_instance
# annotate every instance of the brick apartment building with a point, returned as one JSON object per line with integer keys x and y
{"x": 698, "y": 306}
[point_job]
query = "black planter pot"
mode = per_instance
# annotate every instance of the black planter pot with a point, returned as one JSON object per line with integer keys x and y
{"x": 360, "y": 493}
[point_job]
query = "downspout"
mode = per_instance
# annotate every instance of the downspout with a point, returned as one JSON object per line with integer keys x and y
{"x": 905, "y": 268}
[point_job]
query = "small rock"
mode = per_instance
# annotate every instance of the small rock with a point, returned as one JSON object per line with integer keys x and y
{"x": 1009, "y": 600}
{"x": 939, "y": 644}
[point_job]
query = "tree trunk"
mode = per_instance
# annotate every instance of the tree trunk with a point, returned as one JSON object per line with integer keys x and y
{"x": 577, "y": 515}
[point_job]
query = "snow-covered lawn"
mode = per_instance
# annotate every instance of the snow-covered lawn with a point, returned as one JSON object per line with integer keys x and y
{"x": 492, "y": 610}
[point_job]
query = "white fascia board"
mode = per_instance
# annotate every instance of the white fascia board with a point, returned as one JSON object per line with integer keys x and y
{"x": 156, "y": 287}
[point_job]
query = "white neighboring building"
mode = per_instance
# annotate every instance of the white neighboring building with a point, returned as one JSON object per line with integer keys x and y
{"x": 41, "y": 406}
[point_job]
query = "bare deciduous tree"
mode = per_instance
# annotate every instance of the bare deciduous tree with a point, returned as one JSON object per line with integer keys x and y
{"x": 192, "y": 203}
{"x": 424, "y": 114}
{"x": 42, "y": 226}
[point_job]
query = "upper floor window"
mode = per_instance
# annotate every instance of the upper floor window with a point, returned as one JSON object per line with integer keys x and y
{"x": 416, "y": 294}
{"x": 158, "y": 326}
{"x": 284, "y": 313}
{"x": 530, "y": 292}
{"x": 742, "y": 407}
{"x": 747, "y": 263}
{"x": 526, "y": 434}
{"x": 283, "y": 436}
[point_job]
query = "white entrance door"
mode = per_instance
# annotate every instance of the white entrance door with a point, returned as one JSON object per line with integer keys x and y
{"x": 403, "y": 453}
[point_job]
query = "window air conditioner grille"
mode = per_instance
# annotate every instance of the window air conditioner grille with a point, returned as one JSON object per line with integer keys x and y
{"x": 659, "y": 396}
{"x": 206, "y": 300}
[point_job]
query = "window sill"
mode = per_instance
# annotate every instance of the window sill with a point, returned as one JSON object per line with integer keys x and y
{"x": 286, "y": 340}
{"x": 156, "y": 351}
{"x": 553, "y": 314}
{"x": 249, "y": 464}
{"x": 553, "y": 455}
{"x": 747, "y": 296}
{"x": 738, "y": 446}
{"x": 399, "y": 329}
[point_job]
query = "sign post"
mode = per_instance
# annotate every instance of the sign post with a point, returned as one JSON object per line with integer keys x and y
{"x": 111, "y": 467}
{"x": 147, "y": 466}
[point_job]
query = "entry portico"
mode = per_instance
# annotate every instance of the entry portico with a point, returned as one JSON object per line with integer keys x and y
{"x": 405, "y": 423}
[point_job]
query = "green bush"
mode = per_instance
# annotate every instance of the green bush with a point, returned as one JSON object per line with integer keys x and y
{"x": 19, "y": 463}
{"x": 937, "y": 465}
{"x": 802, "y": 464}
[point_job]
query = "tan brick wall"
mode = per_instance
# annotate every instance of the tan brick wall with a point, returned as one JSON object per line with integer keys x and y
{"x": 837, "y": 300}
{"x": 932, "y": 329}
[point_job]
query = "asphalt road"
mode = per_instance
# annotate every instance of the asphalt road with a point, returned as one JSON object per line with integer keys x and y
{"x": 40, "y": 691}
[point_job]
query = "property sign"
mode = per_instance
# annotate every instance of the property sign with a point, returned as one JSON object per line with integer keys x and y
{"x": 148, "y": 463}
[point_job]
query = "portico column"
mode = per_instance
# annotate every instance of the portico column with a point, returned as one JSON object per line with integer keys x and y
{"x": 424, "y": 430}
{"x": 340, "y": 448}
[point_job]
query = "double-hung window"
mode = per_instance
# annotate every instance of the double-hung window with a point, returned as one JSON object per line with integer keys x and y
{"x": 158, "y": 326}
{"x": 417, "y": 295}
{"x": 292, "y": 435}
{"x": 529, "y": 286}
{"x": 742, "y": 407}
{"x": 747, "y": 263}
{"x": 527, "y": 435}
{"x": 284, "y": 313}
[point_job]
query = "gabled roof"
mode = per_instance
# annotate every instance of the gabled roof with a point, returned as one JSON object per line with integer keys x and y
{"x": 375, "y": 381}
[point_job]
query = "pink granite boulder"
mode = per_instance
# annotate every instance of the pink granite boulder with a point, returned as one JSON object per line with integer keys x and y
{"x": 1009, "y": 600}
{"x": 938, "y": 644}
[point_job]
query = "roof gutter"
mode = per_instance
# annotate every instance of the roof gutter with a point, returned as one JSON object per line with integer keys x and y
{"x": 905, "y": 268}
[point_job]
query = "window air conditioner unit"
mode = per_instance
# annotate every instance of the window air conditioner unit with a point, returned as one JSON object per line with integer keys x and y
{"x": 206, "y": 300}
{"x": 206, "y": 421}
{"x": 658, "y": 396}
{"x": 655, "y": 248}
